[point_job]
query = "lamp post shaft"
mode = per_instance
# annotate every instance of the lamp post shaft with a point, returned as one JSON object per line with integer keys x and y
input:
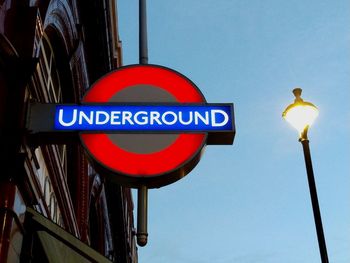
{"x": 142, "y": 193}
{"x": 314, "y": 201}
{"x": 143, "y": 46}
{"x": 142, "y": 209}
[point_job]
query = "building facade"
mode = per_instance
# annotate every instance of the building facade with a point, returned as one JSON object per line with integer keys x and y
{"x": 52, "y": 202}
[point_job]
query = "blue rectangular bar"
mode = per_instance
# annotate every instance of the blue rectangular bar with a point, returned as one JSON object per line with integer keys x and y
{"x": 158, "y": 118}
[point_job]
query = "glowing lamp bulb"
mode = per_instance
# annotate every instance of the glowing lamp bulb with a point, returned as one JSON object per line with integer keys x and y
{"x": 300, "y": 114}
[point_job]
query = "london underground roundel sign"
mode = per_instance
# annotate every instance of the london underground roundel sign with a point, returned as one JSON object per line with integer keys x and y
{"x": 141, "y": 125}
{"x": 139, "y": 158}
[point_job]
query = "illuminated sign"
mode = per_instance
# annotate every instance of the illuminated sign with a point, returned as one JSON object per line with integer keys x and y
{"x": 144, "y": 118}
{"x": 141, "y": 125}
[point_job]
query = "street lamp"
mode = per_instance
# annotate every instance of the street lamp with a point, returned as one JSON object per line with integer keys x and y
{"x": 301, "y": 115}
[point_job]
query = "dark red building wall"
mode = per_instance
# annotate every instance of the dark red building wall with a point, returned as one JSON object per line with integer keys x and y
{"x": 51, "y": 51}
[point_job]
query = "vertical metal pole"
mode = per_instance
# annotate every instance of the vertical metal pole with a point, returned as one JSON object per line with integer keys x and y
{"x": 143, "y": 47}
{"x": 142, "y": 207}
{"x": 314, "y": 201}
{"x": 142, "y": 193}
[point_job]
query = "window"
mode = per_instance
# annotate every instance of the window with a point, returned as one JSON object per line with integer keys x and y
{"x": 46, "y": 87}
{"x": 49, "y": 197}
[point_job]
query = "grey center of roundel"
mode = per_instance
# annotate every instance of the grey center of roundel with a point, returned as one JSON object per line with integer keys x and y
{"x": 143, "y": 143}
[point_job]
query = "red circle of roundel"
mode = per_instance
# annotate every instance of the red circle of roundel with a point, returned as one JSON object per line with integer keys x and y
{"x": 136, "y": 165}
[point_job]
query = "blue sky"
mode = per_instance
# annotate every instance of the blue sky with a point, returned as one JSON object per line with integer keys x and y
{"x": 250, "y": 202}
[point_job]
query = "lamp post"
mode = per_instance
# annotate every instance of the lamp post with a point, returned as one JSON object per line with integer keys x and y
{"x": 142, "y": 192}
{"x": 301, "y": 115}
